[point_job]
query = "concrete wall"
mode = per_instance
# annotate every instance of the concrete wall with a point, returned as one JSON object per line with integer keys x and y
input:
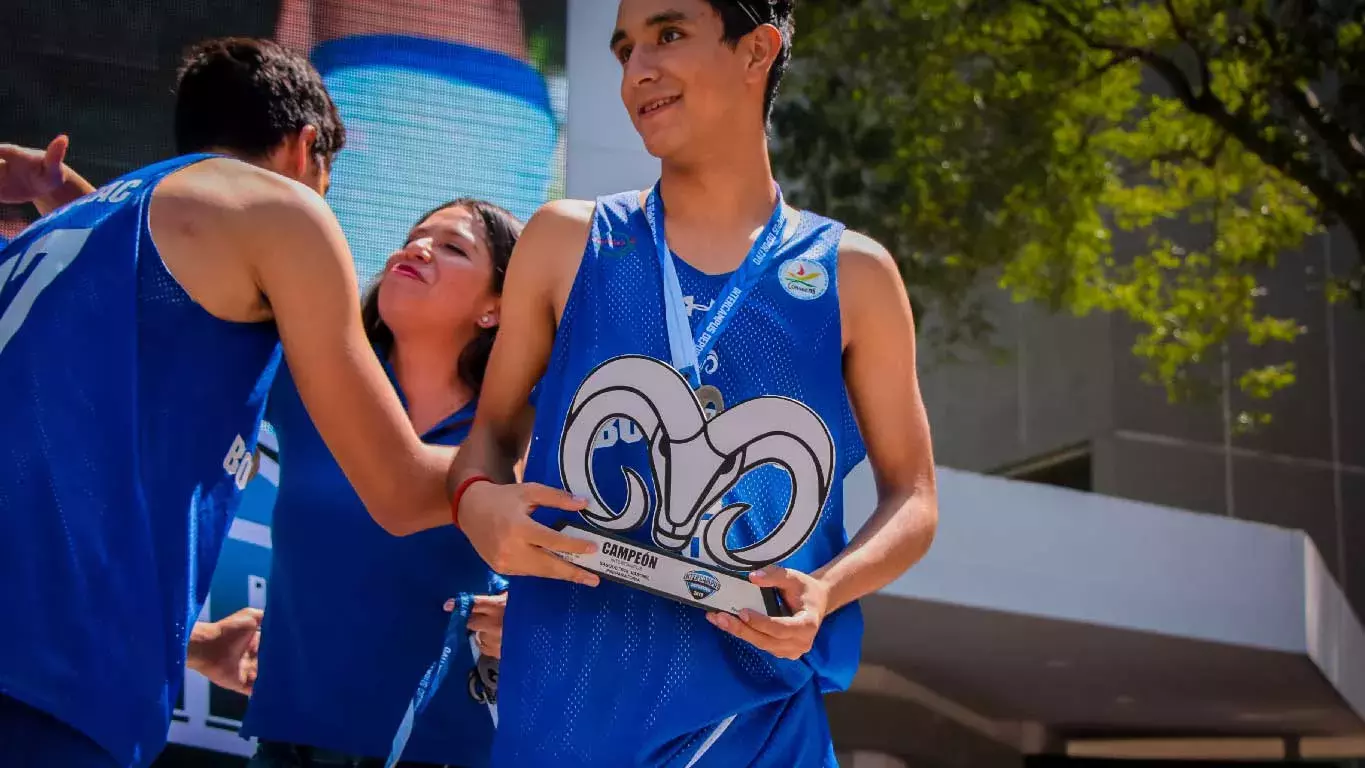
{"x": 1074, "y": 381}
{"x": 605, "y": 155}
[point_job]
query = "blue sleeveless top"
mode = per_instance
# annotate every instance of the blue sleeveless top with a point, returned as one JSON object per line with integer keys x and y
{"x": 354, "y": 615}
{"x": 616, "y": 676}
{"x": 127, "y": 442}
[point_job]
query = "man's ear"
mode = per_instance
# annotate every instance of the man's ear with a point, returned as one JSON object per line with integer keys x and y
{"x": 762, "y": 46}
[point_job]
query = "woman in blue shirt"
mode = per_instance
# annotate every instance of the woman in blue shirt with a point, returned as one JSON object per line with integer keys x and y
{"x": 353, "y": 615}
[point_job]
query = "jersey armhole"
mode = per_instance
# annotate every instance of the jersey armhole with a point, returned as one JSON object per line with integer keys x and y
{"x": 835, "y": 233}
{"x": 150, "y": 239}
{"x": 591, "y": 248}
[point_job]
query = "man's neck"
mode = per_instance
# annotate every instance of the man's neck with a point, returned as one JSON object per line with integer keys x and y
{"x": 730, "y": 189}
{"x": 260, "y": 161}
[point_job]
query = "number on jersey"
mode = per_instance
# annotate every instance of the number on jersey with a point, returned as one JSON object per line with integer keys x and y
{"x": 25, "y": 275}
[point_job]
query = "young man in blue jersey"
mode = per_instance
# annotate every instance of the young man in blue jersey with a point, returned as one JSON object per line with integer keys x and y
{"x": 140, "y": 329}
{"x": 697, "y": 389}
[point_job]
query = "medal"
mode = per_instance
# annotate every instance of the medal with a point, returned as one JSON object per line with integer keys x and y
{"x": 712, "y": 402}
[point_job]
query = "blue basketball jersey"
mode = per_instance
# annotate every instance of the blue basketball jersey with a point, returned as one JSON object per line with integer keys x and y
{"x": 616, "y": 676}
{"x": 129, "y": 432}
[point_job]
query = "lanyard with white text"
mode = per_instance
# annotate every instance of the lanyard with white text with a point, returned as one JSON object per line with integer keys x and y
{"x": 686, "y": 350}
{"x": 435, "y": 675}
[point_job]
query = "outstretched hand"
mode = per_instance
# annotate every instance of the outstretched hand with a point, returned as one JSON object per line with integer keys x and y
{"x": 497, "y": 521}
{"x": 225, "y": 651}
{"x": 485, "y": 621}
{"x": 27, "y": 174}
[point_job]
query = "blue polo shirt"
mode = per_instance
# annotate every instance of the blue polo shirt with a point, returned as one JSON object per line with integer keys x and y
{"x": 354, "y": 616}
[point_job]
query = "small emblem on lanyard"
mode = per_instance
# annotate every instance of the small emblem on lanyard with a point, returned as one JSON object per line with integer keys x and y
{"x": 712, "y": 402}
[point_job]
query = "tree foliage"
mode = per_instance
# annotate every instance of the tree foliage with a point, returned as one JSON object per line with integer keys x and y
{"x": 1144, "y": 157}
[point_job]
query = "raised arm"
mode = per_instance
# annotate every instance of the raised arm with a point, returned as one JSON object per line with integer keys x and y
{"x": 525, "y": 335}
{"x": 301, "y": 264}
{"x": 250, "y": 246}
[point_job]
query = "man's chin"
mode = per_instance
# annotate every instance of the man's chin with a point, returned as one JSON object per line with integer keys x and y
{"x": 662, "y": 146}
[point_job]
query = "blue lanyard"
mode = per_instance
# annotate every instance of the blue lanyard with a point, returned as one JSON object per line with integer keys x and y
{"x": 684, "y": 348}
{"x": 432, "y": 679}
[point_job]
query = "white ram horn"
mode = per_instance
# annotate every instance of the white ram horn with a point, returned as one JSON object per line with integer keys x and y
{"x": 575, "y": 457}
{"x": 799, "y": 443}
{"x": 797, "y": 523}
{"x": 638, "y": 389}
{"x": 750, "y": 421}
{"x": 657, "y": 383}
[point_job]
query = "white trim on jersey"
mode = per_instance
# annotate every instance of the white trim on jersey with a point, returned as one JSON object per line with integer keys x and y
{"x": 250, "y": 532}
{"x": 711, "y": 740}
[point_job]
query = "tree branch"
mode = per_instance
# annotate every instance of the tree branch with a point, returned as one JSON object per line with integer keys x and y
{"x": 1275, "y": 154}
{"x": 1334, "y": 134}
{"x": 1168, "y": 69}
{"x": 1098, "y": 72}
{"x": 1343, "y": 144}
{"x": 1200, "y": 55}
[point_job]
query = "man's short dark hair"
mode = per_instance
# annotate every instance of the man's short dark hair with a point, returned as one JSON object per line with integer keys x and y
{"x": 740, "y": 17}
{"x": 248, "y": 96}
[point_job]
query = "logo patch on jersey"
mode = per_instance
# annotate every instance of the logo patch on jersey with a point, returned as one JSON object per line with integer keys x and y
{"x": 701, "y": 584}
{"x": 696, "y": 461}
{"x": 691, "y": 304}
{"x": 803, "y": 279}
{"x": 614, "y": 245}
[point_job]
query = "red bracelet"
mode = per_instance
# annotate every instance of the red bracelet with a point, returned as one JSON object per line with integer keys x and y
{"x": 459, "y": 493}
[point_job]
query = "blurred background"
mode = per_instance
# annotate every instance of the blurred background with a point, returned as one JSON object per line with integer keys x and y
{"x": 1133, "y": 236}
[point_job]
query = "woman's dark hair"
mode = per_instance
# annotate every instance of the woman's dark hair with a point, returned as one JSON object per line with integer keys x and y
{"x": 502, "y": 230}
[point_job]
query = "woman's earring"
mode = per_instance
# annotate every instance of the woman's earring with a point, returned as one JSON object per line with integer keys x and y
{"x": 486, "y": 321}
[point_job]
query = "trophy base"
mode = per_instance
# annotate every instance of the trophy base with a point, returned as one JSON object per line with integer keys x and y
{"x": 667, "y": 575}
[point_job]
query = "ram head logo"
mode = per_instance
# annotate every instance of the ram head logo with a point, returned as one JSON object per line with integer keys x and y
{"x": 696, "y": 461}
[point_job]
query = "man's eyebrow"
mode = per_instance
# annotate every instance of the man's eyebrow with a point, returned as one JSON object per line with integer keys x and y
{"x": 657, "y": 20}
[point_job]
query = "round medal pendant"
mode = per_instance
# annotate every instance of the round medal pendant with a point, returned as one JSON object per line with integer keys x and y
{"x": 712, "y": 402}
